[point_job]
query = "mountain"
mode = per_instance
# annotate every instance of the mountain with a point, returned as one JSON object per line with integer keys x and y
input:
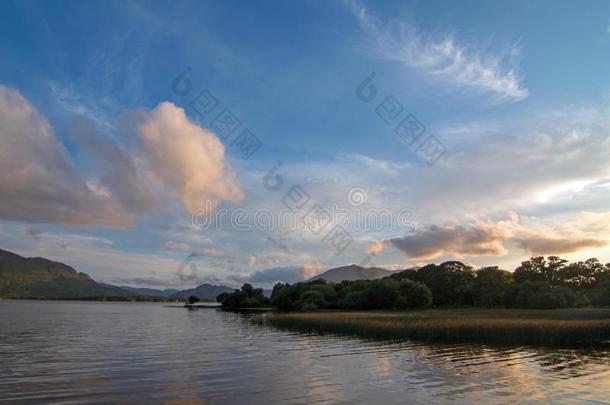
{"x": 151, "y": 292}
{"x": 40, "y": 278}
{"x": 353, "y": 272}
{"x": 37, "y": 277}
{"x": 205, "y": 292}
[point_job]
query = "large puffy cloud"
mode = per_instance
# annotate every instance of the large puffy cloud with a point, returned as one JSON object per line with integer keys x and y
{"x": 189, "y": 160}
{"x": 38, "y": 180}
{"x": 112, "y": 184}
{"x": 113, "y": 167}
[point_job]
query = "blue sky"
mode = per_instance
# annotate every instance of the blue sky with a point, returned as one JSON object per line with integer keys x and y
{"x": 101, "y": 174}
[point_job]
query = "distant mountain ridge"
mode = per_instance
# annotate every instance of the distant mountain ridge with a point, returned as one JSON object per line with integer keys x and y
{"x": 205, "y": 292}
{"x": 353, "y": 272}
{"x": 151, "y": 292}
{"x": 37, "y": 277}
{"x": 40, "y": 278}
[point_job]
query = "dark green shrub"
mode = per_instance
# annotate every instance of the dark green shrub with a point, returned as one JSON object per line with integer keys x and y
{"x": 311, "y": 300}
{"x": 413, "y": 295}
{"x": 355, "y": 300}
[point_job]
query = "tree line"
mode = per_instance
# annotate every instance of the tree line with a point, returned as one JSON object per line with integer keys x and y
{"x": 537, "y": 283}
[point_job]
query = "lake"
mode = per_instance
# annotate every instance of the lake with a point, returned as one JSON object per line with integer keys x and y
{"x": 101, "y": 352}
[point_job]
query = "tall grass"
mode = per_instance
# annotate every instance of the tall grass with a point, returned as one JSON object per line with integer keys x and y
{"x": 552, "y": 327}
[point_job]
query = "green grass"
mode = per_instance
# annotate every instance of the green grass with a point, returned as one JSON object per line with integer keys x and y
{"x": 564, "y": 327}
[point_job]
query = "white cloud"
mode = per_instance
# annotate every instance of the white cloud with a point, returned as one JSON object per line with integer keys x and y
{"x": 113, "y": 168}
{"x": 172, "y": 246}
{"x": 444, "y": 58}
{"x": 533, "y": 162}
{"x": 538, "y": 164}
{"x": 384, "y": 167}
{"x": 212, "y": 253}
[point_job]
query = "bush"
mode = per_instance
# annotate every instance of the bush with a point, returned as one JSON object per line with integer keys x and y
{"x": 541, "y": 295}
{"x": 311, "y": 300}
{"x": 383, "y": 293}
{"x": 490, "y": 286}
{"x": 414, "y": 295}
{"x": 246, "y": 297}
{"x": 355, "y": 300}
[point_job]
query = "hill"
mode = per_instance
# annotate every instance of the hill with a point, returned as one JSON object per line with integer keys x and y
{"x": 205, "y": 292}
{"x": 353, "y": 272}
{"x": 150, "y": 292}
{"x": 39, "y": 278}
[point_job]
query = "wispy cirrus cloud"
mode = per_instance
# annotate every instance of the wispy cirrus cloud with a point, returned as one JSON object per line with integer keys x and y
{"x": 443, "y": 57}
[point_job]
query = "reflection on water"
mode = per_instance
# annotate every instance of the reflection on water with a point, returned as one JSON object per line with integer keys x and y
{"x": 72, "y": 352}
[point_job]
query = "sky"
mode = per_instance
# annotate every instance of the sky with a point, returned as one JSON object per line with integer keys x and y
{"x": 160, "y": 144}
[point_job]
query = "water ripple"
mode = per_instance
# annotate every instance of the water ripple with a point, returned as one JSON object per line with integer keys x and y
{"x": 75, "y": 352}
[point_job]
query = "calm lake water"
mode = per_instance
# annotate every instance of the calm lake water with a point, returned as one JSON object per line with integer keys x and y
{"x": 98, "y": 352}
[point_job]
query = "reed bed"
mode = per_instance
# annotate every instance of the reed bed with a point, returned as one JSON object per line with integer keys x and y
{"x": 580, "y": 327}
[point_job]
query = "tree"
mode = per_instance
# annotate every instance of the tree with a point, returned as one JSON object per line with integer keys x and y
{"x": 311, "y": 300}
{"x": 449, "y": 282}
{"x": 541, "y": 295}
{"x": 246, "y": 297}
{"x": 355, "y": 300}
{"x": 247, "y": 289}
{"x": 193, "y": 299}
{"x": 413, "y": 295}
{"x": 537, "y": 283}
{"x": 383, "y": 293}
{"x": 539, "y": 269}
{"x": 279, "y": 297}
{"x": 328, "y": 292}
{"x": 583, "y": 275}
{"x": 490, "y": 286}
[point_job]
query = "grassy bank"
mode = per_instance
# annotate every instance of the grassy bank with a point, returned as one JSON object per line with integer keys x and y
{"x": 565, "y": 327}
